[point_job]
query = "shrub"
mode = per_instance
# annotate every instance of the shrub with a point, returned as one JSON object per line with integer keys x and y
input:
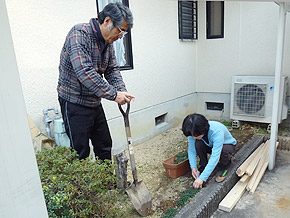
{"x": 78, "y": 188}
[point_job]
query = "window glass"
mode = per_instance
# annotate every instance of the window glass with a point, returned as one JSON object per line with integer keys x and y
{"x": 215, "y": 19}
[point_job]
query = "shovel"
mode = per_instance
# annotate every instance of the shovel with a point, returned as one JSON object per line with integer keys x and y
{"x": 137, "y": 191}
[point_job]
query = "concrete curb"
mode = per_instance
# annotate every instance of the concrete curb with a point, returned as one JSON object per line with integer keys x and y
{"x": 206, "y": 202}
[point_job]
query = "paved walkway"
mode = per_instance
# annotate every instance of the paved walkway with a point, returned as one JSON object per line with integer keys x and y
{"x": 271, "y": 198}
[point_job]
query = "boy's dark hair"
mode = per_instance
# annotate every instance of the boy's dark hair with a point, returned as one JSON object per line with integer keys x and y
{"x": 195, "y": 125}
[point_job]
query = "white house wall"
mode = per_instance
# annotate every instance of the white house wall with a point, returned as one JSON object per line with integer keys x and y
{"x": 258, "y": 39}
{"x": 163, "y": 78}
{"x": 248, "y": 48}
{"x": 218, "y": 59}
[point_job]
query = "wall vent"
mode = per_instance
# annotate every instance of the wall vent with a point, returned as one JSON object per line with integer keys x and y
{"x": 214, "y": 106}
{"x": 160, "y": 119}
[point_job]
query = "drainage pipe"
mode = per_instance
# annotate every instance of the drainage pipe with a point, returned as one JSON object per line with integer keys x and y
{"x": 47, "y": 120}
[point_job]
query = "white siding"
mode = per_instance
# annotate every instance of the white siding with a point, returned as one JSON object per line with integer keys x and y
{"x": 248, "y": 47}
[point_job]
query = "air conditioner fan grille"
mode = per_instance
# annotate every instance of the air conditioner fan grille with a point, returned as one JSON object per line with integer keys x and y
{"x": 250, "y": 99}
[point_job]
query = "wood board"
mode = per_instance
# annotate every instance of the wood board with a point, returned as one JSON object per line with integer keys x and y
{"x": 232, "y": 198}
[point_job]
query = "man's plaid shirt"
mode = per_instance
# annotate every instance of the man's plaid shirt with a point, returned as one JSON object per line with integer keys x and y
{"x": 84, "y": 60}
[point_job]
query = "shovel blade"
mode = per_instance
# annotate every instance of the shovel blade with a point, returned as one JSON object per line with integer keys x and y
{"x": 140, "y": 198}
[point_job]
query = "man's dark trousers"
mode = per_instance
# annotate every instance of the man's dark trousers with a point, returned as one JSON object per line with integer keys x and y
{"x": 202, "y": 150}
{"x": 84, "y": 123}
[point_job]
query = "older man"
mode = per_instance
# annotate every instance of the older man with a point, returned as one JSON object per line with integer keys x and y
{"x": 88, "y": 72}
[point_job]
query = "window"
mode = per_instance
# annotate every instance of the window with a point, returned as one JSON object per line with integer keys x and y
{"x": 187, "y": 19}
{"x": 214, "y": 19}
{"x": 123, "y": 47}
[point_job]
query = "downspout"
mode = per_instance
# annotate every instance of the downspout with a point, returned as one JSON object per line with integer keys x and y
{"x": 278, "y": 69}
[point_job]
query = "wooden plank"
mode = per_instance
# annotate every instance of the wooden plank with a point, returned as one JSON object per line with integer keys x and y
{"x": 252, "y": 166}
{"x": 244, "y": 178}
{"x": 259, "y": 177}
{"x": 242, "y": 169}
{"x": 265, "y": 156}
{"x": 232, "y": 198}
{"x": 261, "y": 173}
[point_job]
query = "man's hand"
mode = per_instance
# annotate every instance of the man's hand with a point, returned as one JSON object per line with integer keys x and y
{"x": 194, "y": 173}
{"x": 124, "y": 97}
{"x": 197, "y": 183}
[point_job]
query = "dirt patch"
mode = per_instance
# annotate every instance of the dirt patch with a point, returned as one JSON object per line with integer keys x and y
{"x": 150, "y": 155}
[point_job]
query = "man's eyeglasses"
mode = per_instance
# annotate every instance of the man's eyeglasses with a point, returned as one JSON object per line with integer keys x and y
{"x": 122, "y": 32}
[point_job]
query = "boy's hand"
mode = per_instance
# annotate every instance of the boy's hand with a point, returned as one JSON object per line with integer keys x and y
{"x": 195, "y": 173}
{"x": 197, "y": 183}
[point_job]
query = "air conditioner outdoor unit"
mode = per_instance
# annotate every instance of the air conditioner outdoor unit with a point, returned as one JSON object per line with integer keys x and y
{"x": 252, "y": 98}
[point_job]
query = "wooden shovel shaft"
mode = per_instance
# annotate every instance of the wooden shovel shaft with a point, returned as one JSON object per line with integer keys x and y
{"x": 129, "y": 140}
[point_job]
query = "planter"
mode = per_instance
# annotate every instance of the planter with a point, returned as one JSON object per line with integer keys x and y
{"x": 175, "y": 170}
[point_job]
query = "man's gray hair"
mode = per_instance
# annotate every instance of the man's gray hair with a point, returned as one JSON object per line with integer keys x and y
{"x": 117, "y": 12}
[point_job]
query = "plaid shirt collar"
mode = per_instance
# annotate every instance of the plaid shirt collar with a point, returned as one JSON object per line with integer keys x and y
{"x": 96, "y": 30}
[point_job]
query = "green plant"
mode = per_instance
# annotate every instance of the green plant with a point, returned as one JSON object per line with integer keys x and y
{"x": 181, "y": 157}
{"x": 183, "y": 199}
{"x": 57, "y": 203}
{"x": 74, "y": 188}
{"x": 188, "y": 194}
{"x": 171, "y": 212}
{"x": 262, "y": 131}
{"x": 226, "y": 123}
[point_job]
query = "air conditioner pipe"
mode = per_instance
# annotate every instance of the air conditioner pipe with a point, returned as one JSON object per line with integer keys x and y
{"x": 47, "y": 120}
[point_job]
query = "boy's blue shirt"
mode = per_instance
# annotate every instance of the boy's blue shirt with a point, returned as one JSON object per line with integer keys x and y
{"x": 218, "y": 135}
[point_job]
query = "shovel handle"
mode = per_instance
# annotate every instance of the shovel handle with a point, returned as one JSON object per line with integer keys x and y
{"x": 125, "y": 114}
{"x": 126, "y": 119}
{"x": 129, "y": 140}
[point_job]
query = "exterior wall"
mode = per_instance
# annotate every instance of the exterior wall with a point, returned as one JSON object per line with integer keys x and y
{"x": 248, "y": 48}
{"x": 218, "y": 59}
{"x": 164, "y": 67}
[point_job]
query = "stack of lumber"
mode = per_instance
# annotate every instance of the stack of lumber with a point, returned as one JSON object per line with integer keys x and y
{"x": 251, "y": 172}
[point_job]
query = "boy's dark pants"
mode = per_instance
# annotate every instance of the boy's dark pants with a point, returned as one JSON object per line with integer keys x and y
{"x": 202, "y": 150}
